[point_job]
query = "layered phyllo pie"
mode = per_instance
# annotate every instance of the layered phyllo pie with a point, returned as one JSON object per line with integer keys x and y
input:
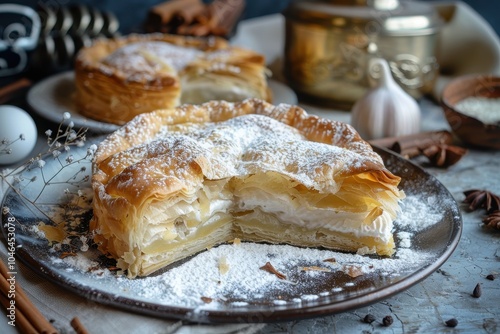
{"x": 174, "y": 182}
{"x": 117, "y": 79}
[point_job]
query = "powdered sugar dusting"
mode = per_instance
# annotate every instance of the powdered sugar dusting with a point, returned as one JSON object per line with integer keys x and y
{"x": 240, "y": 146}
{"x": 417, "y": 213}
{"x": 245, "y": 281}
{"x": 309, "y": 273}
{"x": 143, "y": 60}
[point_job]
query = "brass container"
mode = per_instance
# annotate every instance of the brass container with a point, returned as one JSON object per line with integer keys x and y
{"x": 328, "y": 44}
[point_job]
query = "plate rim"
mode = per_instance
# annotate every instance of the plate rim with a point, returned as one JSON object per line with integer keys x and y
{"x": 273, "y": 313}
{"x": 51, "y": 114}
{"x": 49, "y": 84}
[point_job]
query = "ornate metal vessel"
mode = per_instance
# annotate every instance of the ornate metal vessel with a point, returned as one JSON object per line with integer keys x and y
{"x": 329, "y": 42}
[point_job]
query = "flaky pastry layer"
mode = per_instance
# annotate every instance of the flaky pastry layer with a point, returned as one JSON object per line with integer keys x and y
{"x": 174, "y": 182}
{"x": 117, "y": 79}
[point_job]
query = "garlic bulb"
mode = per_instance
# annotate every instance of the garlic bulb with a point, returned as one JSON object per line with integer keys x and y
{"x": 386, "y": 110}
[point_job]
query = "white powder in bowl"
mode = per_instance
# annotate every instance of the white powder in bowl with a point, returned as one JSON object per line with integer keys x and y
{"x": 486, "y": 110}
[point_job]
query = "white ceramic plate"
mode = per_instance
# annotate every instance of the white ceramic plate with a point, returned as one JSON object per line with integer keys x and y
{"x": 53, "y": 96}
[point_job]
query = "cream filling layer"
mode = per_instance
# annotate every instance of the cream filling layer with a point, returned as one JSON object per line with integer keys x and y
{"x": 175, "y": 220}
{"x": 185, "y": 219}
{"x": 207, "y": 89}
{"x": 310, "y": 217}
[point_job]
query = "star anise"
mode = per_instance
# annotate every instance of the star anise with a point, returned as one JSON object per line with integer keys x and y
{"x": 493, "y": 219}
{"x": 443, "y": 155}
{"x": 482, "y": 199}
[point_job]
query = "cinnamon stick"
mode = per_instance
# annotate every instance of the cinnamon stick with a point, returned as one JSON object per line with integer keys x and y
{"x": 167, "y": 16}
{"x": 224, "y": 14}
{"x": 78, "y": 326}
{"x": 193, "y": 13}
{"x": 23, "y": 304}
{"x": 22, "y": 323}
{"x": 194, "y": 30}
{"x": 193, "y": 17}
{"x": 435, "y": 145}
{"x": 412, "y": 145}
{"x": 422, "y": 141}
{"x": 164, "y": 12}
{"x": 9, "y": 91}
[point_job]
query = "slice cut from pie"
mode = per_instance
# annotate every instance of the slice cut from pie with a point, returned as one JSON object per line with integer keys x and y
{"x": 174, "y": 182}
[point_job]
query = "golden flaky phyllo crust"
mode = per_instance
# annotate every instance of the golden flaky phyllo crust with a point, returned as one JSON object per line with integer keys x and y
{"x": 174, "y": 182}
{"x": 117, "y": 79}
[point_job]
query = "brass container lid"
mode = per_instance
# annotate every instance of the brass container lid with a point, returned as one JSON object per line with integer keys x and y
{"x": 382, "y": 17}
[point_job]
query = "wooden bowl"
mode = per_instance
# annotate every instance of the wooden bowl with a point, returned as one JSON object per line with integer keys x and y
{"x": 469, "y": 129}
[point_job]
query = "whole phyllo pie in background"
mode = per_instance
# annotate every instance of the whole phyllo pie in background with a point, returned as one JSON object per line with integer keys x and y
{"x": 174, "y": 182}
{"x": 117, "y": 79}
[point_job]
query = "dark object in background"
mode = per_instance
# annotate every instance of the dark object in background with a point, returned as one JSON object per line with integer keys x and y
{"x": 194, "y": 18}
{"x": 20, "y": 27}
{"x": 451, "y": 322}
{"x": 39, "y": 42}
{"x": 369, "y": 318}
{"x": 387, "y": 321}
{"x": 65, "y": 30}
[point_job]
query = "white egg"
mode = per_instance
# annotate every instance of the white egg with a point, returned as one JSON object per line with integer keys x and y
{"x": 18, "y": 134}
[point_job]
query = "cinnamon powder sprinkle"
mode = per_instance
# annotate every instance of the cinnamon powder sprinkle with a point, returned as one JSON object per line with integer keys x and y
{"x": 94, "y": 268}
{"x": 66, "y": 254}
{"x": 270, "y": 269}
{"x": 332, "y": 260}
{"x": 206, "y": 300}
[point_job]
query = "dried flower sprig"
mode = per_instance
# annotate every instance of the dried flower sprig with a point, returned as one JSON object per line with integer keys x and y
{"x": 5, "y": 144}
{"x": 33, "y": 173}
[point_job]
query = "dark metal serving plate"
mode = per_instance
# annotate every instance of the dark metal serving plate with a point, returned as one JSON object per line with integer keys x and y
{"x": 439, "y": 239}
